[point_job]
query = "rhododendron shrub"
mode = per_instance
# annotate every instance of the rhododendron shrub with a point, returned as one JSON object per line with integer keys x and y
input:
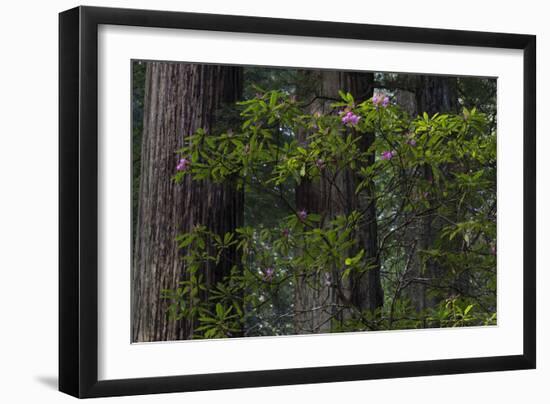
{"x": 265, "y": 155}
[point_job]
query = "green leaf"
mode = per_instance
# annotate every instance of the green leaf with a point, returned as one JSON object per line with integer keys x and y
{"x": 273, "y": 99}
{"x": 219, "y": 310}
{"x": 356, "y": 259}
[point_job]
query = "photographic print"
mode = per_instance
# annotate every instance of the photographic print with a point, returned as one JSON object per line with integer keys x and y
{"x": 303, "y": 207}
{"x": 280, "y": 201}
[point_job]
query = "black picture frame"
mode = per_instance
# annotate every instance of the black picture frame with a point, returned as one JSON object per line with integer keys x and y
{"x": 78, "y": 201}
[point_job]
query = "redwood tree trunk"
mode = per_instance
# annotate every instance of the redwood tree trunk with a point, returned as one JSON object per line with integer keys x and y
{"x": 316, "y": 302}
{"x": 434, "y": 94}
{"x": 179, "y": 99}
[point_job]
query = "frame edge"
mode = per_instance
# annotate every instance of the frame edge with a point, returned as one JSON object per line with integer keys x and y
{"x": 69, "y": 81}
{"x": 78, "y": 239}
{"x": 529, "y": 201}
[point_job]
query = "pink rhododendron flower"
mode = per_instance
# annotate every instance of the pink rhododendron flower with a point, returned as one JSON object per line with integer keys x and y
{"x": 378, "y": 100}
{"x": 350, "y": 118}
{"x": 268, "y": 274}
{"x": 387, "y": 155}
{"x": 183, "y": 165}
{"x": 302, "y": 215}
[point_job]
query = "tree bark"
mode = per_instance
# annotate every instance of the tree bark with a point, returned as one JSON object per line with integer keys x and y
{"x": 437, "y": 94}
{"x": 434, "y": 94}
{"x": 179, "y": 99}
{"x": 316, "y": 300}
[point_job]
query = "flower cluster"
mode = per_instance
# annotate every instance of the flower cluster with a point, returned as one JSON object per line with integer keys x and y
{"x": 183, "y": 165}
{"x": 388, "y": 155}
{"x": 302, "y": 215}
{"x": 350, "y": 118}
{"x": 320, "y": 163}
{"x": 268, "y": 274}
{"x": 380, "y": 101}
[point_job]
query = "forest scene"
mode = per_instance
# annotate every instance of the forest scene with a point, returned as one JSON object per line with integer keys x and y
{"x": 280, "y": 201}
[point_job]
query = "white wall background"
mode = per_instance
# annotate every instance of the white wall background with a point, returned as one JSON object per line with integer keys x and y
{"x": 28, "y": 201}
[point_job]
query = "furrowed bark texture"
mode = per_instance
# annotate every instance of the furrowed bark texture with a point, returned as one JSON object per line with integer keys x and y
{"x": 316, "y": 300}
{"x": 179, "y": 99}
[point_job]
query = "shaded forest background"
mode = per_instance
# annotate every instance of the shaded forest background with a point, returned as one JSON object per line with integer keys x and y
{"x": 403, "y": 265}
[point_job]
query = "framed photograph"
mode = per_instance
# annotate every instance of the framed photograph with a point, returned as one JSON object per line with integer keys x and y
{"x": 252, "y": 202}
